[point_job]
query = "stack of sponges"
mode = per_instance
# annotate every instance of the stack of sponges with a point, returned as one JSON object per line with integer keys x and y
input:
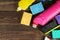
{"x": 35, "y": 9}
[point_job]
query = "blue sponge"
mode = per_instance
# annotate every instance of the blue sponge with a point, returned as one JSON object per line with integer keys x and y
{"x": 42, "y": 0}
{"x": 56, "y": 34}
{"x": 37, "y": 8}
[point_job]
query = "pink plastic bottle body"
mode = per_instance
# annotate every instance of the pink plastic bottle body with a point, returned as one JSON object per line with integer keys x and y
{"x": 48, "y": 14}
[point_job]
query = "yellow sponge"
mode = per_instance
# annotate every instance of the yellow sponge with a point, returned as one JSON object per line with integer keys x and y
{"x": 26, "y": 18}
{"x": 24, "y": 4}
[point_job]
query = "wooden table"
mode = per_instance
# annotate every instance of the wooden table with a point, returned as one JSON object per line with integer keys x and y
{"x": 10, "y": 29}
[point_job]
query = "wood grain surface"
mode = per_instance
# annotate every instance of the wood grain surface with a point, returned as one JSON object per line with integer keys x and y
{"x": 19, "y": 32}
{"x": 10, "y": 27}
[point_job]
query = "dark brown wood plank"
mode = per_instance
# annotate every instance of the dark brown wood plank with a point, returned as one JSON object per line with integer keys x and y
{"x": 8, "y": 6}
{"x": 20, "y": 32}
{"x": 8, "y": 17}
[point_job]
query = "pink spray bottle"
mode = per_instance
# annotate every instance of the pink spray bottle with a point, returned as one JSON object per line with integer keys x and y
{"x": 47, "y": 15}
